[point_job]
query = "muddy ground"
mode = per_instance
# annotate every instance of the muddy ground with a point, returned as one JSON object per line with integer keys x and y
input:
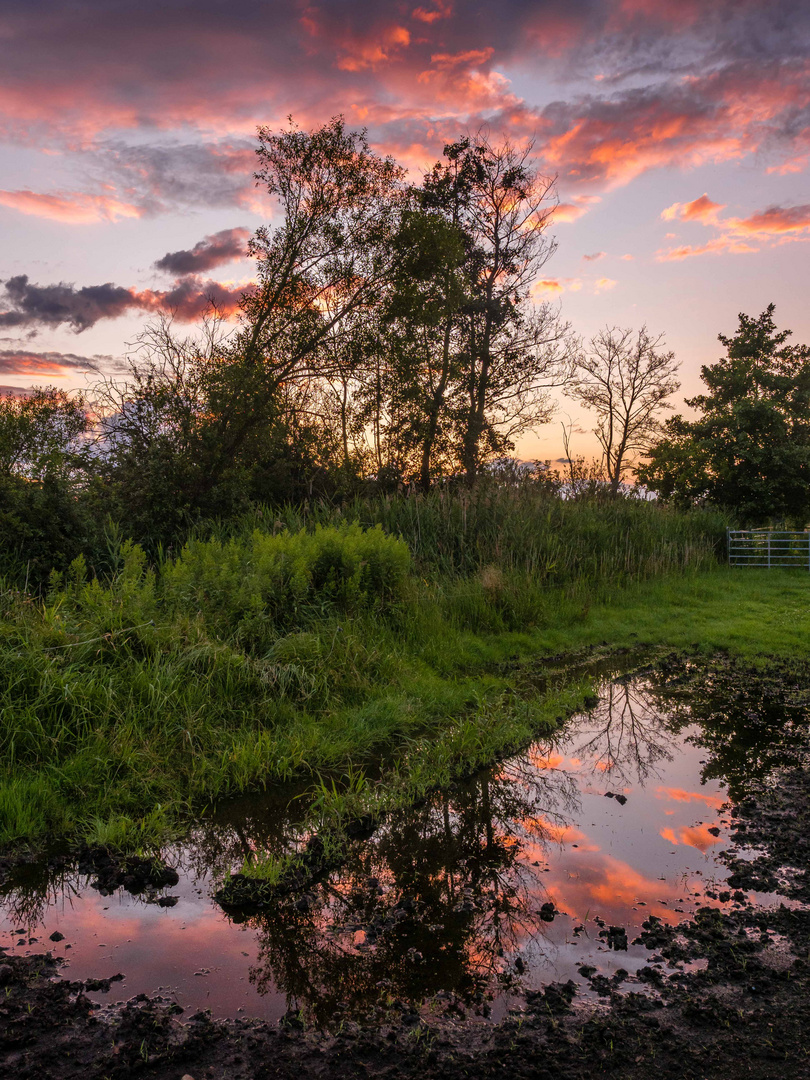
{"x": 725, "y": 996}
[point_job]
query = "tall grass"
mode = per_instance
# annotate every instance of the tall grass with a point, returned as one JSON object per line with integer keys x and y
{"x": 525, "y": 529}
{"x": 308, "y": 645}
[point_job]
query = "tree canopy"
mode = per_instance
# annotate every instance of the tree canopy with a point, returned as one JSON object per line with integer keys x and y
{"x": 749, "y": 447}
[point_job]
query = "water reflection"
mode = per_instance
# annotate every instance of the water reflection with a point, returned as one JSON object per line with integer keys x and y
{"x": 513, "y": 877}
{"x": 437, "y": 901}
{"x": 627, "y": 736}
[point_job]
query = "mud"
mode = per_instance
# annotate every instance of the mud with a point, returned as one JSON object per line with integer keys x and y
{"x": 724, "y": 994}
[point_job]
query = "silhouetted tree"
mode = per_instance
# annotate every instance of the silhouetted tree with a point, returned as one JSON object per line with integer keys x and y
{"x": 749, "y": 448}
{"x": 626, "y": 379}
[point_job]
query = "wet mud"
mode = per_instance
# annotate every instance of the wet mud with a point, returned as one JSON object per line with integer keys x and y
{"x": 439, "y": 949}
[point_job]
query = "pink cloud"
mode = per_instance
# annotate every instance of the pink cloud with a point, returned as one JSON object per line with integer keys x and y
{"x": 702, "y": 209}
{"x": 721, "y": 245}
{"x": 74, "y": 208}
{"x": 776, "y": 221}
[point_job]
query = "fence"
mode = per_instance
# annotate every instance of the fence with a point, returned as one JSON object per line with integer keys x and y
{"x": 768, "y": 548}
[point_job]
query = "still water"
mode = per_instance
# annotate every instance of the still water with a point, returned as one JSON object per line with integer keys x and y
{"x": 513, "y": 879}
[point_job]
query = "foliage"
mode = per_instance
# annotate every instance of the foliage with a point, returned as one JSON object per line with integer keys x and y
{"x": 46, "y": 519}
{"x": 508, "y": 353}
{"x": 256, "y": 587}
{"x": 749, "y": 448}
{"x": 150, "y": 688}
{"x": 41, "y": 433}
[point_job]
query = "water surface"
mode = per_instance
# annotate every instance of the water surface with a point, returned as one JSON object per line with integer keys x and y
{"x": 511, "y": 880}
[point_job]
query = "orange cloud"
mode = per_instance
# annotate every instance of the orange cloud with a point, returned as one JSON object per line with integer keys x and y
{"x": 51, "y": 364}
{"x": 370, "y": 54}
{"x": 679, "y": 795}
{"x": 720, "y": 246}
{"x": 559, "y": 834}
{"x": 604, "y": 284}
{"x": 74, "y": 208}
{"x": 551, "y": 760}
{"x": 441, "y": 11}
{"x": 552, "y": 286}
{"x": 775, "y": 221}
{"x": 701, "y": 209}
{"x": 565, "y": 213}
{"x": 470, "y": 58}
{"x": 696, "y": 836}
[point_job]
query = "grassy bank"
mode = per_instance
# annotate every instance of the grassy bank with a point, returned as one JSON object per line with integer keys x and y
{"x": 126, "y": 706}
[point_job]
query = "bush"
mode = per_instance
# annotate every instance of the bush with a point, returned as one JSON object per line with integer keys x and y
{"x": 262, "y": 585}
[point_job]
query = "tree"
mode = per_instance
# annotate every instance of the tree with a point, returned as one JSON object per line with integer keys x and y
{"x": 422, "y": 317}
{"x": 502, "y": 353}
{"x": 329, "y": 258}
{"x": 201, "y": 425}
{"x": 626, "y": 379}
{"x": 45, "y": 519}
{"x": 749, "y": 448}
{"x": 42, "y": 432}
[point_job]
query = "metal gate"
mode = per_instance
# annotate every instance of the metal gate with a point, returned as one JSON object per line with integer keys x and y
{"x": 768, "y": 547}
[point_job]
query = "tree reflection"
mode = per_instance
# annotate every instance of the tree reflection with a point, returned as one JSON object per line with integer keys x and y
{"x": 626, "y": 736}
{"x": 752, "y": 721}
{"x": 439, "y": 899}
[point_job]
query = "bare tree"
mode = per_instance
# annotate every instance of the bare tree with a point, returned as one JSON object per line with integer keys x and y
{"x": 625, "y": 378}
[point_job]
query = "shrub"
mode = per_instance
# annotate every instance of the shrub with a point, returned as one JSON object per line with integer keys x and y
{"x": 260, "y": 586}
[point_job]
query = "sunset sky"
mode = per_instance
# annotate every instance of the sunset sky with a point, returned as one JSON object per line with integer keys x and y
{"x": 679, "y": 132}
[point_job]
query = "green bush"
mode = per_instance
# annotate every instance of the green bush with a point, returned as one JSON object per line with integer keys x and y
{"x": 262, "y": 585}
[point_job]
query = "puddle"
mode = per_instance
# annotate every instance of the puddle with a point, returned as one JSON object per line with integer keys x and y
{"x": 551, "y": 861}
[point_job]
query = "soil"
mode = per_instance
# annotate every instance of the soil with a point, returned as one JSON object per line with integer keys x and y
{"x": 725, "y": 996}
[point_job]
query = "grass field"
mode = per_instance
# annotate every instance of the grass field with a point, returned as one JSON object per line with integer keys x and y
{"x": 127, "y": 706}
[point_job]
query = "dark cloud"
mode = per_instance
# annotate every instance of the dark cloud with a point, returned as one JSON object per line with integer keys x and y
{"x": 222, "y": 247}
{"x": 256, "y": 62}
{"x": 53, "y": 305}
{"x": 194, "y": 297}
{"x": 57, "y": 305}
{"x": 668, "y": 82}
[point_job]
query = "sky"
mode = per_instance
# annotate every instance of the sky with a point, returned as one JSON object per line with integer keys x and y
{"x": 678, "y": 132}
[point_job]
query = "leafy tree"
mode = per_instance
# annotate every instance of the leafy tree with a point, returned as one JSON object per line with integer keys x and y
{"x": 42, "y": 432}
{"x": 626, "y": 379}
{"x": 422, "y": 315}
{"x": 204, "y": 425}
{"x": 45, "y": 514}
{"x": 749, "y": 448}
{"x": 510, "y": 353}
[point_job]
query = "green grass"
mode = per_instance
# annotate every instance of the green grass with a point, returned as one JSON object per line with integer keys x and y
{"x": 128, "y": 706}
